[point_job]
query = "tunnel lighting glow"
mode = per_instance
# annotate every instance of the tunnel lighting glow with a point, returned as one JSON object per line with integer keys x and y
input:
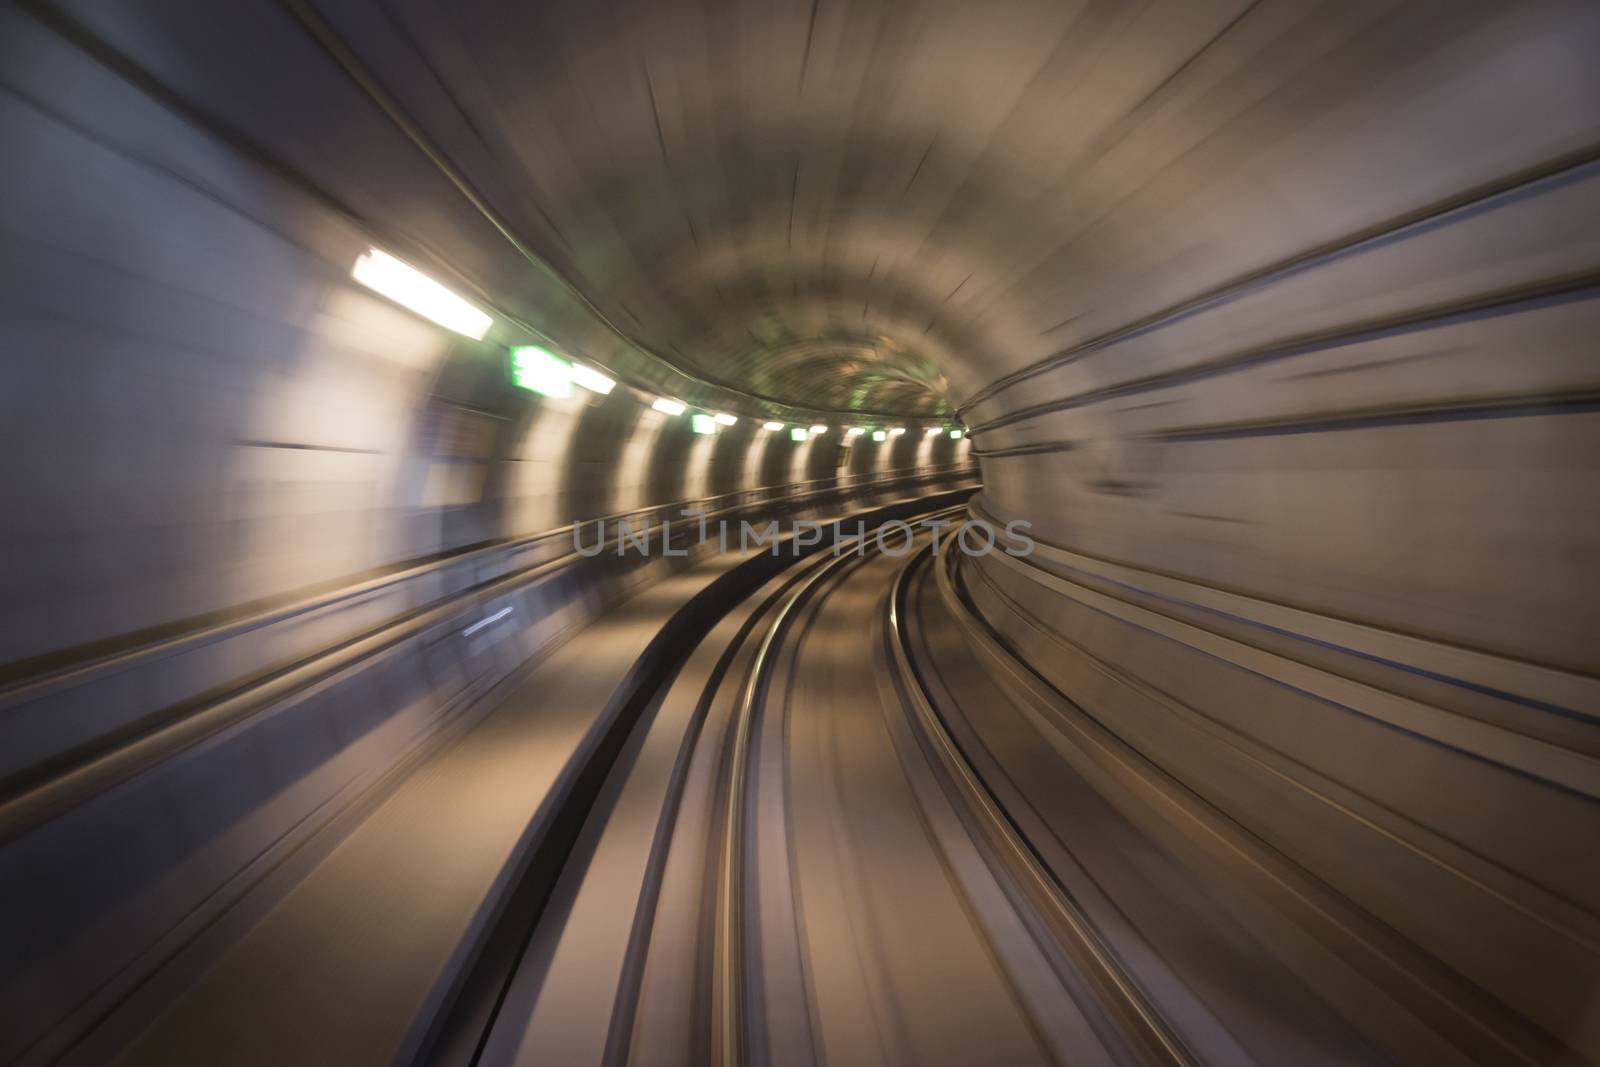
{"x": 879, "y": 435}
{"x": 724, "y": 419}
{"x": 896, "y": 431}
{"x": 819, "y": 429}
{"x": 797, "y": 434}
{"x": 854, "y": 431}
{"x": 668, "y": 406}
{"x": 956, "y": 434}
{"x": 772, "y": 425}
{"x": 592, "y": 380}
{"x": 410, "y": 288}
{"x": 702, "y": 423}
{"x": 932, "y": 431}
{"x": 535, "y": 368}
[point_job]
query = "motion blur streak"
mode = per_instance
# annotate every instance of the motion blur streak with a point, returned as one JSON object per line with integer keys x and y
{"x": 376, "y": 685}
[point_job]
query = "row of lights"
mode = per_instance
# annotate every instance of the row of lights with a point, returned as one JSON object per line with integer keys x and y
{"x": 800, "y": 433}
{"x": 532, "y": 367}
{"x": 538, "y": 369}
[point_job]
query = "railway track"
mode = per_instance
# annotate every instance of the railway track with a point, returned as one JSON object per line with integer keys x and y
{"x": 826, "y": 817}
{"x": 868, "y": 843}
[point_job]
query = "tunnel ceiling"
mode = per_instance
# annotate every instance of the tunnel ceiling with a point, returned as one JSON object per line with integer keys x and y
{"x": 857, "y": 206}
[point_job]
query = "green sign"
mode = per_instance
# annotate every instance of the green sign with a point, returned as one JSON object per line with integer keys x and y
{"x": 535, "y": 369}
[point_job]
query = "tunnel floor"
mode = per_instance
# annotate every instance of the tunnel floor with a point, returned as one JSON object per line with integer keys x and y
{"x": 840, "y": 822}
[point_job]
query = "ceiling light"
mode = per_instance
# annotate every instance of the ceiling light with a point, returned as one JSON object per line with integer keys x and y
{"x": 535, "y": 368}
{"x": 896, "y": 431}
{"x": 772, "y": 425}
{"x": 819, "y": 429}
{"x": 879, "y": 435}
{"x": 668, "y": 406}
{"x": 956, "y": 434}
{"x": 702, "y": 423}
{"x": 409, "y": 287}
{"x": 932, "y": 431}
{"x": 592, "y": 380}
{"x": 724, "y": 419}
{"x": 797, "y": 434}
{"x": 854, "y": 431}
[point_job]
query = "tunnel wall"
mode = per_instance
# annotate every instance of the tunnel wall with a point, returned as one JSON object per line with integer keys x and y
{"x": 1351, "y": 370}
{"x": 200, "y": 411}
{"x": 206, "y": 417}
{"x": 1319, "y": 533}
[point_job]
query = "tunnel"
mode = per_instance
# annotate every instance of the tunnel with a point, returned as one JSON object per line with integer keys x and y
{"x": 800, "y": 532}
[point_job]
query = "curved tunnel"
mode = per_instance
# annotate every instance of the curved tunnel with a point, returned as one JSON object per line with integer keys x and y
{"x": 1178, "y": 421}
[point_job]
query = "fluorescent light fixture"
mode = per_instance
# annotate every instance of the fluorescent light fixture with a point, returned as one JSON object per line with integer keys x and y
{"x": 592, "y": 380}
{"x": 797, "y": 434}
{"x": 956, "y": 434}
{"x": 702, "y": 423}
{"x": 772, "y": 425}
{"x": 410, "y": 288}
{"x": 724, "y": 419}
{"x": 668, "y": 406}
{"x": 535, "y": 368}
{"x": 879, "y": 435}
{"x": 896, "y": 431}
{"x": 854, "y": 431}
{"x": 819, "y": 428}
{"x": 932, "y": 431}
